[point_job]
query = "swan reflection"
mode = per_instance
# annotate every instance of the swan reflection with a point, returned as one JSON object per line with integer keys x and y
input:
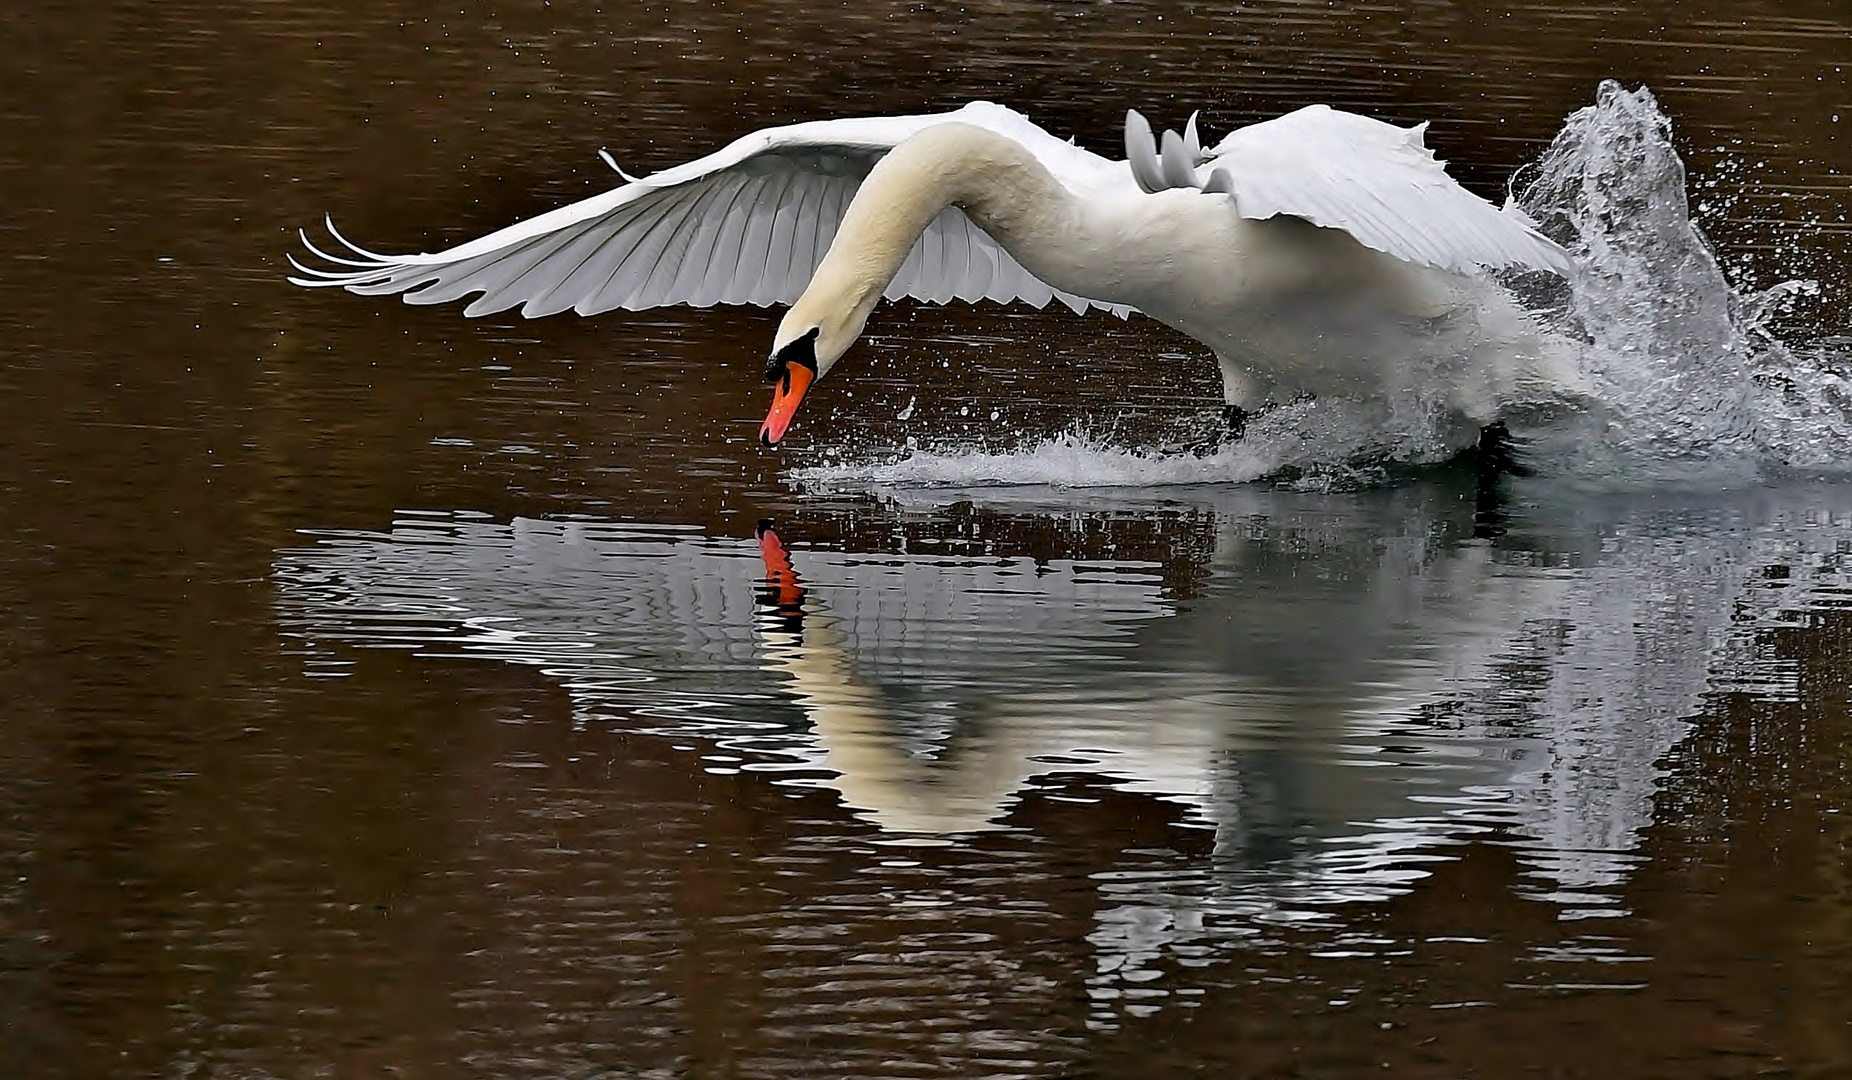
{"x": 1345, "y": 686}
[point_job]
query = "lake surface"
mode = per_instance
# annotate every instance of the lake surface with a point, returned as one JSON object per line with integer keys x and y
{"x": 389, "y": 693}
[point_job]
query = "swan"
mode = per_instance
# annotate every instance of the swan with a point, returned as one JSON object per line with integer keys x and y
{"x": 1317, "y": 253}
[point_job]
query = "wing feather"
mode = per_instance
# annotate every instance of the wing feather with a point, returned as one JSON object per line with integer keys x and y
{"x": 639, "y": 268}
{"x": 958, "y": 262}
{"x": 752, "y": 286}
{"x": 982, "y": 267}
{"x": 660, "y": 286}
{"x": 584, "y": 291}
{"x": 1378, "y": 182}
{"x": 932, "y": 262}
{"x": 573, "y": 263}
{"x": 779, "y": 285}
{"x": 495, "y": 277}
{"x": 607, "y": 285}
{"x": 747, "y": 224}
{"x": 699, "y": 268}
{"x": 804, "y": 254}
{"x": 722, "y": 267}
{"x": 957, "y": 257}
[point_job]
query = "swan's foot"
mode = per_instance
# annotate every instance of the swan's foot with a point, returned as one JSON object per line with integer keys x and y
{"x": 1495, "y": 458}
{"x": 1235, "y": 418}
{"x": 1208, "y": 432}
{"x": 1496, "y": 455}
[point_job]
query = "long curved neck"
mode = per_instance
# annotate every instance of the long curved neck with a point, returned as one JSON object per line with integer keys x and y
{"x": 994, "y": 179}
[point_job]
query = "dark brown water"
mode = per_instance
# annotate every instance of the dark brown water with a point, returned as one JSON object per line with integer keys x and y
{"x": 384, "y": 693}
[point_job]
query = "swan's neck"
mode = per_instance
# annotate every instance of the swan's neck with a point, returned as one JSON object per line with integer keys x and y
{"x": 994, "y": 179}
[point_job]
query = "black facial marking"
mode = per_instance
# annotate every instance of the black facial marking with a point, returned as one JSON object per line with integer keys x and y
{"x": 802, "y": 351}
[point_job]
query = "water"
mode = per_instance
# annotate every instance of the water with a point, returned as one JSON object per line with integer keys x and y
{"x": 388, "y": 693}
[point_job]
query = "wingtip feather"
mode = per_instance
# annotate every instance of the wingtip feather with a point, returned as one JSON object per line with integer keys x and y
{"x": 1141, "y": 153}
{"x": 605, "y": 156}
{"x": 328, "y": 222}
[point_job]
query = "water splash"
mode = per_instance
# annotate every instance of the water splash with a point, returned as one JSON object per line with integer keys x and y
{"x": 1804, "y": 402}
{"x": 1685, "y": 378}
{"x": 1688, "y": 378}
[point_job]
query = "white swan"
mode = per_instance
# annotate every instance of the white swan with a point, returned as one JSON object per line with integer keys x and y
{"x": 1317, "y": 253}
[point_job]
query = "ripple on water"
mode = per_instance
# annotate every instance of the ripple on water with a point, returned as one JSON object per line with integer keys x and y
{"x": 1355, "y": 693}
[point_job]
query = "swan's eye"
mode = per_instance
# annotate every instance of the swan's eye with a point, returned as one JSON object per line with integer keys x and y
{"x": 802, "y": 351}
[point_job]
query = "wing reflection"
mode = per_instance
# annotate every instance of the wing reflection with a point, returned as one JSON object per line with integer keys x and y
{"x": 1356, "y": 684}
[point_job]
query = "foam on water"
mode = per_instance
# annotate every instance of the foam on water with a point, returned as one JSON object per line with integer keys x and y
{"x": 1686, "y": 379}
{"x": 1313, "y": 445}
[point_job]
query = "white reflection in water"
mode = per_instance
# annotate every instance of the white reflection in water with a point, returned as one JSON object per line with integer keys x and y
{"x": 1357, "y": 686}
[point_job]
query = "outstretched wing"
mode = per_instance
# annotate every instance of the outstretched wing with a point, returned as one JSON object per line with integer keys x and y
{"x": 1377, "y": 182}
{"x": 746, "y": 225}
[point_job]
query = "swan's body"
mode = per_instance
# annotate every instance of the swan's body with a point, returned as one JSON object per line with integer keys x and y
{"x": 1321, "y": 252}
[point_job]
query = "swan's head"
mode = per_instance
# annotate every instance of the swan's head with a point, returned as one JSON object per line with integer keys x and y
{"x": 810, "y": 341}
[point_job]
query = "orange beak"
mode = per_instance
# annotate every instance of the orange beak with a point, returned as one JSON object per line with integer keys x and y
{"x": 787, "y": 392}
